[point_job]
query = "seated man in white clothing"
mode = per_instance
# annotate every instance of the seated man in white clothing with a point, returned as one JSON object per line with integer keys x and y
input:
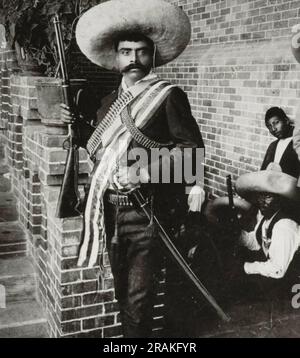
{"x": 275, "y": 240}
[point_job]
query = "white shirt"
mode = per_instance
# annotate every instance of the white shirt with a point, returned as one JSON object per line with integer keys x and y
{"x": 151, "y": 75}
{"x": 281, "y": 147}
{"x": 280, "y": 249}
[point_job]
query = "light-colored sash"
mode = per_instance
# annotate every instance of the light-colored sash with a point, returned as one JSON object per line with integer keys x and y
{"x": 115, "y": 140}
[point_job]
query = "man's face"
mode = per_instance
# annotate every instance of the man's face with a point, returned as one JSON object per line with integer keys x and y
{"x": 134, "y": 59}
{"x": 278, "y": 128}
{"x": 268, "y": 204}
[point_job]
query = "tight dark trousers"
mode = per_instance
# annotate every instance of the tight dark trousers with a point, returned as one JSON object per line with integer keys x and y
{"x": 134, "y": 262}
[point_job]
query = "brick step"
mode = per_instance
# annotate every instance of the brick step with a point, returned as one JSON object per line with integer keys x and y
{"x": 12, "y": 240}
{"x": 18, "y": 278}
{"x": 23, "y": 320}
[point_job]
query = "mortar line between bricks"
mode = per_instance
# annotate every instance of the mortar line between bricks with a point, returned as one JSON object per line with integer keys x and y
{"x": 158, "y": 317}
{"x": 102, "y": 328}
{"x": 81, "y": 319}
{"x": 103, "y": 304}
{"x": 160, "y": 294}
{"x": 82, "y": 294}
{"x": 14, "y": 243}
{"x": 159, "y": 305}
{"x": 79, "y": 294}
{"x": 75, "y": 281}
{"x": 82, "y": 306}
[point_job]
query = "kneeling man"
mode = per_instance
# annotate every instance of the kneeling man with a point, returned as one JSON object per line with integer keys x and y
{"x": 276, "y": 237}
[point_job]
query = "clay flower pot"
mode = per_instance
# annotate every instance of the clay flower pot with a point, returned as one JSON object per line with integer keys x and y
{"x": 50, "y": 96}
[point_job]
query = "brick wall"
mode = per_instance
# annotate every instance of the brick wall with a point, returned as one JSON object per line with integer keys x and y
{"x": 237, "y": 65}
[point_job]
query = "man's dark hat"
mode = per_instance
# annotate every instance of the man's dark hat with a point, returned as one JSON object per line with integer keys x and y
{"x": 267, "y": 181}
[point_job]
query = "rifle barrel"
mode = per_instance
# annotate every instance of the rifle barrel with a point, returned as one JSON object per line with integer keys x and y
{"x": 229, "y": 191}
{"x": 60, "y": 47}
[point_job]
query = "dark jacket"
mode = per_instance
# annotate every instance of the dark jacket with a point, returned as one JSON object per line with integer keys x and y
{"x": 173, "y": 121}
{"x": 289, "y": 161}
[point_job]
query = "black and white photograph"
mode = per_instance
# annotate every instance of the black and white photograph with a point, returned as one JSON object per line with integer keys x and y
{"x": 150, "y": 171}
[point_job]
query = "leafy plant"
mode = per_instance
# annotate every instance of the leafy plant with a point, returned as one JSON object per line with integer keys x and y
{"x": 30, "y": 34}
{"x": 29, "y": 28}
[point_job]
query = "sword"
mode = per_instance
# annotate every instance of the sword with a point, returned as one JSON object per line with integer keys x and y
{"x": 138, "y": 197}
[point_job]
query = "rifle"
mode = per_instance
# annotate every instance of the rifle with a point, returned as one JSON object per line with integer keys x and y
{"x": 232, "y": 208}
{"x": 233, "y": 214}
{"x": 69, "y": 198}
{"x": 139, "y": 199}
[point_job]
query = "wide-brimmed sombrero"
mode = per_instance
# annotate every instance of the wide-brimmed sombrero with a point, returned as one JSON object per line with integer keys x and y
{"x": 267, "y": 181}
{"x": 165, "y": 24}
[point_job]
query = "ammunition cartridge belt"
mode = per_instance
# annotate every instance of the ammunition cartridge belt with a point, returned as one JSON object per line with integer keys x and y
{"x": 118, "y": 199}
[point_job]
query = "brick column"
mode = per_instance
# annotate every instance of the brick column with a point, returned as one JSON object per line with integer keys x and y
{"x": 37, "y": 164}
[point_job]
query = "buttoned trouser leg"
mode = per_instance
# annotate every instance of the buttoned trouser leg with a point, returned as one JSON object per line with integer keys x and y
{"x": 134, "y": 263}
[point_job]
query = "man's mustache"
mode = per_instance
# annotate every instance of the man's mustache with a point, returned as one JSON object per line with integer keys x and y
{"x": 134, "y": 66}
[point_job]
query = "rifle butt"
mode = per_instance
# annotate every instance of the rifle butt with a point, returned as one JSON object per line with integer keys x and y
{"x": 68, "y": 200}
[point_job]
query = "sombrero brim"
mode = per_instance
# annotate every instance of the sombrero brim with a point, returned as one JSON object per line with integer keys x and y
{"x": 165, "y": 24}
{"x": 267, "y": 181}
{"x": 217, "y": 208}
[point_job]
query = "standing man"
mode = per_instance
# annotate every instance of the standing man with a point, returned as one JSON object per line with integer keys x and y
{"x": 281, "y": 151}
{"x": 143, "y": 115}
